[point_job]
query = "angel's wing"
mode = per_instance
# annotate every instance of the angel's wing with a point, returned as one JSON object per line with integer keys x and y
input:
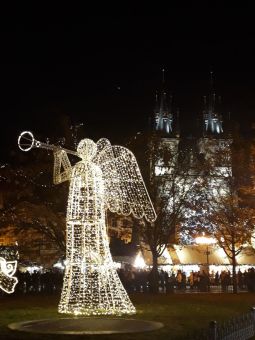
{"x": 124, "y": 186}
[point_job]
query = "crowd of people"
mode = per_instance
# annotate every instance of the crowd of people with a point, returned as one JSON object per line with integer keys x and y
{"x": 140, "y": 281}
{"x": 48, "y": 281}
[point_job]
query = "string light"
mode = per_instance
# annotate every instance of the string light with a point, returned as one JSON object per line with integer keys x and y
{"x": 107, "y": 177}
{"x": 20, "y": 177}
{"x": 7, "y": 270}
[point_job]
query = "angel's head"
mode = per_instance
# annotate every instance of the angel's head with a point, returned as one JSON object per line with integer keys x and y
{"x": 87, "y": 149}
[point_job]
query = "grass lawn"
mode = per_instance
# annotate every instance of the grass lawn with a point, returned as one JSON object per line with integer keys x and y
{"x": 180, "y": 313}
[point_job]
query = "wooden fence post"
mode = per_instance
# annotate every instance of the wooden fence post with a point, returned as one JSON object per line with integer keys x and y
{"x": 213, "y": 330}
{"x": 253, "y": 316}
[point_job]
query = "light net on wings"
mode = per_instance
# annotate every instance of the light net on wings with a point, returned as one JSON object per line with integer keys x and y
{"x": 125, "y": 191}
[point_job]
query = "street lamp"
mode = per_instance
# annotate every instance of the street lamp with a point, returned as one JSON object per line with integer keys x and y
{"x": 207, "y": 241}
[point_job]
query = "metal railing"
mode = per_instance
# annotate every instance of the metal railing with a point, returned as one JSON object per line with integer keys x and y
{"x": 238, "y": 328}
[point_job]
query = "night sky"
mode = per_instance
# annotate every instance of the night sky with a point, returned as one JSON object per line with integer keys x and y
{"x": 104, "y": 73}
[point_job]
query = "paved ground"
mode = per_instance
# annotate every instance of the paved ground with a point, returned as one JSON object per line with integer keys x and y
{"x": 83, "y": 325}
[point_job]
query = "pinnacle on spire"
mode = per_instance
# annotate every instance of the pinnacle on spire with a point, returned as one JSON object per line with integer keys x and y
{"x": 177, "y": 122}
{"x": 211, "y": 79}
{"x": 156, "y": 109}
{"x": 163, "y": 75}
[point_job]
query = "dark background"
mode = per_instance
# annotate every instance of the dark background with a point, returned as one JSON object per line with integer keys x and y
{"x": 104, "y": 72}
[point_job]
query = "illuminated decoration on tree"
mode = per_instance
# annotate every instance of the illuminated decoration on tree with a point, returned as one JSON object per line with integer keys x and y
{"x": 7, "y": 270}
{"x": 107, "y": 177}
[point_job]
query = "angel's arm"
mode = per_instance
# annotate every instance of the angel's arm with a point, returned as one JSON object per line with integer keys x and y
{"x": 61, "y": 160}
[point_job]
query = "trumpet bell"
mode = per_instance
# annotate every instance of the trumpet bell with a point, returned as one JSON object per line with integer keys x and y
{"x": 26, "y": 141}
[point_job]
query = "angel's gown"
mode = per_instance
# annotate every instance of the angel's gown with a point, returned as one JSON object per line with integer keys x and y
{"x": 91, "y": 284}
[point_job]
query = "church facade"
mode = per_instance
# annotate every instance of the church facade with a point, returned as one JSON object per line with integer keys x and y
{"x": 181, "y": 154}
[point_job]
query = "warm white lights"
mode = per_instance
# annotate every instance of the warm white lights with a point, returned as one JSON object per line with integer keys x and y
{"x": 205, "y": 240}
{"x": 26, "y": 141}
{"x": 7, "y": 270}
{"x": 139, "y": 261}
{"x": 106, "y": 177}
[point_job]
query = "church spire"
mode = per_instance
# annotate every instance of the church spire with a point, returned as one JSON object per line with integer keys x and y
{"x": 163, "y": 116}
{"x": 212, "y": 120}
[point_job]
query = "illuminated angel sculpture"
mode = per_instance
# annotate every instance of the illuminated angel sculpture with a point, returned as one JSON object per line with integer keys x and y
{"x": 7, "y": 270}
{"x": 107, "y": 177}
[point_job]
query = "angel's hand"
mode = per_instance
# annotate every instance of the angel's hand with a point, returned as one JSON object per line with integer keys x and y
{"x": 57, "y": 149}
